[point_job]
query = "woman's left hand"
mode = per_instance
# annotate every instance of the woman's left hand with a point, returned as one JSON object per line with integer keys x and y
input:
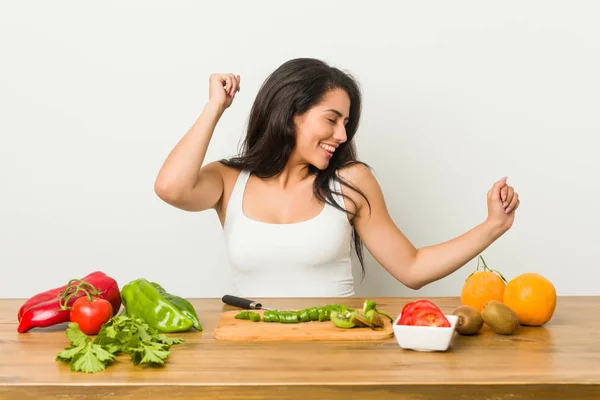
{"x": 502, "y": 201}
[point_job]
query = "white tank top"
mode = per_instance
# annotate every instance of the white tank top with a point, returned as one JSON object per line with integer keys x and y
{"x": 311, "y": 258}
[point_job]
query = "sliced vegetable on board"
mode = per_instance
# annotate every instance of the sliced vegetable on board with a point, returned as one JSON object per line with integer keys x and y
{"x": 251, "y": 315}
{"x": 343, "y": 319}
{"x": 340, "y": 314}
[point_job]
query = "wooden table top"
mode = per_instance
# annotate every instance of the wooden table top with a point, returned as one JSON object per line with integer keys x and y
{"x": 556, "y": 361}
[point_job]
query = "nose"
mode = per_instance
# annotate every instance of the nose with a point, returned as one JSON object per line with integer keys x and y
{"x": 339, "y": 135}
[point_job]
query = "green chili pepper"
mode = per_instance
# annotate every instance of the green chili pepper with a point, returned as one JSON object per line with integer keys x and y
{"x": 371, "y": 305}
{"x": 252, "y": 316}
{"x": 337, "y": 307}
{"x": 182, "y": 304}
{"x": 368, "y": 305}
{"x": 144, "y": 300}
{"x": 289, "y": 317}
{"x": 242, "y": 315}
{"x": 304, "y": 315}
{"x": 323, "y": 315}
{"x": 267, "y": 316}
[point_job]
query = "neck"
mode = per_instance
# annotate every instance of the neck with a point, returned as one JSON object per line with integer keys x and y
{"x": 294, "y": 172}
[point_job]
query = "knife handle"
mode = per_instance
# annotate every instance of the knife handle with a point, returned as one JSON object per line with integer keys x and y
{"x": 241, "y": 302}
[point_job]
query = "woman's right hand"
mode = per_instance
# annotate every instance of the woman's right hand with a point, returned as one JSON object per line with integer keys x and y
{"x": 222, "y": 89}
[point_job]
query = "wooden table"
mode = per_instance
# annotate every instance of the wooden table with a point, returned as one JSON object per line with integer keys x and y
{"x": 558, "y": 361}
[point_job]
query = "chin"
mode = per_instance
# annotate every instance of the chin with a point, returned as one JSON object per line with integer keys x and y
{"x": 321, "y": 165}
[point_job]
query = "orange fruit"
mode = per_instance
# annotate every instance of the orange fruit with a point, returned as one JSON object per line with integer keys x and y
{"x": 482, "y": 286}
{"x": 532, "y": 297}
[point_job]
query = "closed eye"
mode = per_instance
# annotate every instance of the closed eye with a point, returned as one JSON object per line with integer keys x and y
{"x": 331, "y": 120}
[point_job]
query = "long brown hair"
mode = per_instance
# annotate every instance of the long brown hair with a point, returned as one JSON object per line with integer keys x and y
{"x": 292, "y": 89}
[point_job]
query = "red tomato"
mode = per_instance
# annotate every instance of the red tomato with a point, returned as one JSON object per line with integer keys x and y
{"x": 409, "y": 309}
{"x": 428, "y": 316}
{"x": 91, "y": 316}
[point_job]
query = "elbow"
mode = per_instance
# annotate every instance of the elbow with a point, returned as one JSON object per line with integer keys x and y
{"x": 413, "y": 281}
{"x": 410, "y": 282}
{"x": 414, "y": 278}
{"x": 167, "y": 192}
{"x": 414, "y": 285}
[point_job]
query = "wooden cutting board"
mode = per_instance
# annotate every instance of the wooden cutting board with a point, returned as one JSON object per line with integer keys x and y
{"x": 229, "y": 328}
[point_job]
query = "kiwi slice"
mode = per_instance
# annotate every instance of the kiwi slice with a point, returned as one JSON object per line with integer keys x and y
{"x": 342, "y": 319}
{"x": 469, "y": 320}
{"x": 375, "y": 319}
{"x": 360, "y": 320}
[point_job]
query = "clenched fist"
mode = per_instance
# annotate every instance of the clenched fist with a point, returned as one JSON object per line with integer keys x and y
{"x": 502, "y": 201}
{"x": 222, "y": 89}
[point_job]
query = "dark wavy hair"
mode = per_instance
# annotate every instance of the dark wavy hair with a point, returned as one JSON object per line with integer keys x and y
{"x": 292, "y": 89}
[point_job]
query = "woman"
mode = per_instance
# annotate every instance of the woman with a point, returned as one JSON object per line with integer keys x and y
{"x": 296, "y": 199}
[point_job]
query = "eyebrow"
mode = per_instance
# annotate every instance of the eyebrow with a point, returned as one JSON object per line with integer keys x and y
{"x": 336, "y": 112}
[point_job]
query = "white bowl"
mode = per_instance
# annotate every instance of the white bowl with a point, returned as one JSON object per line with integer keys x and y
{"x": 425, "y": 338}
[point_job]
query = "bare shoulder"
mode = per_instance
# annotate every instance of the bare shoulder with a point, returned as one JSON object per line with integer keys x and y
{"x": 362, "y": 178}
{"x": 229, "y": 174}
{"x": 217, "y": 168}
{"x": 357, "y": 174}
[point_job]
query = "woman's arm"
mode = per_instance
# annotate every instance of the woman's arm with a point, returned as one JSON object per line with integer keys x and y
{"x": 182, "y": 181}
{"x": 413, "y": 267}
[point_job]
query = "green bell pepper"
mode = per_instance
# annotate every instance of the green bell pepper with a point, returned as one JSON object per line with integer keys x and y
{"x": 143, "y": 299}
{"x": 182, "y": 304}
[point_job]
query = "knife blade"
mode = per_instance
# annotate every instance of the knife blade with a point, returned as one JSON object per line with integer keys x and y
{"x": 243, "y": 303}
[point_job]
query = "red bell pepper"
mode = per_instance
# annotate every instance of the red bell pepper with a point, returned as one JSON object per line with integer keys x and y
{"x": 51, "y": 294}
{"x": 53, "y": 306}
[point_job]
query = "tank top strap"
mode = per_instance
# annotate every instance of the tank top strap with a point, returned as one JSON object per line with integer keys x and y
{"x": 337, "y": 188}
{"x": 234, "y": 205}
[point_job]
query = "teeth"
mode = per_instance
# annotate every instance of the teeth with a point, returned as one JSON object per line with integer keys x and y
{"x": 327, "y": 147}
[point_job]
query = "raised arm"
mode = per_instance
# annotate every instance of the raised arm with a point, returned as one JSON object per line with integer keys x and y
{"x": 414, "y": 267}
{"x": 182, "y": 181}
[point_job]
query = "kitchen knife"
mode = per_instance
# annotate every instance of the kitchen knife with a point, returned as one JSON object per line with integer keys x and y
{"x": 243, "y": 303}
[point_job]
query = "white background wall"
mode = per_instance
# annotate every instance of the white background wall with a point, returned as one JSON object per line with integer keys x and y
{"x": 457, "y": 94}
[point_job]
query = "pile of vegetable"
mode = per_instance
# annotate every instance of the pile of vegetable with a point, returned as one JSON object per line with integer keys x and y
{"x": 122, "y": 333}
{"x": 340, "y": 314}
{"x": 91, "y": 305}
{"x": 423, "y": 313}
{"x": 57, "y": 305}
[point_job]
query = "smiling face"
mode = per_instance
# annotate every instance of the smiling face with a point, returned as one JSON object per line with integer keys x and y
{"x": 322, "y": 129}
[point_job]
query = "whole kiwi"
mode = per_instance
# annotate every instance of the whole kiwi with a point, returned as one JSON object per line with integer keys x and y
{"x": 469, "y": 320}
{"x": 501, "y": 318}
